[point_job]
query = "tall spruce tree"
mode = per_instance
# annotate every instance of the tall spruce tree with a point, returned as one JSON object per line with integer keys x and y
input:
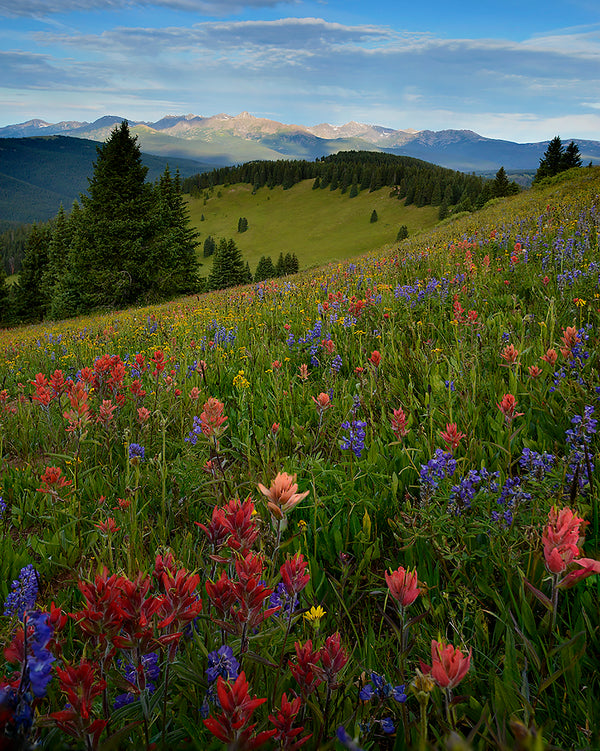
{"x": 111, "y": 261}
{"x": 31, "y": 302}
{"x": 571, "y": 158}
{"x": 58, "y": 249}
{"x": 228, "y": 268}
{"x": 175, "y": 271}
{"x": 550, "y": 163}
{"x": 265, "y": 269}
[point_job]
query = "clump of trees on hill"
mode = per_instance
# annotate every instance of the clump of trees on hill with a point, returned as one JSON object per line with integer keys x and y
{"x": 229, "y": 269}
{"x": 412, "y": 180}
{"x": 126, "y": 242}
{"x": 557, "y": 159}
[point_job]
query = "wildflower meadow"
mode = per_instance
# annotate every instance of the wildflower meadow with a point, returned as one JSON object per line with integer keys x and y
{"x": 356, "y": 507}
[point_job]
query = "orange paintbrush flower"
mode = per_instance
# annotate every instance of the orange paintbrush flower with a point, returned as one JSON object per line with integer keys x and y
{"x": 322, "y": 401}
{"x": 507, "y": 406}
{"x": 510, "y": 354}
{"x": 561, "y": 538}
{"x": 283, "y": 494}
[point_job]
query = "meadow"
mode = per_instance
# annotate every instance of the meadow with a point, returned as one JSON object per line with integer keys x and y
{"x": 319, "y": 226}
{"x": 352, "y": 508}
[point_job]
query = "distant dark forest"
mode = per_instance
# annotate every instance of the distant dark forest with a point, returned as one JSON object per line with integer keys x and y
{"x": 413, "y": 180}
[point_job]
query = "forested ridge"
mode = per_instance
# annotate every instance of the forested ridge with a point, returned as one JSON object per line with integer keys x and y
{"x": 414, "y": 181}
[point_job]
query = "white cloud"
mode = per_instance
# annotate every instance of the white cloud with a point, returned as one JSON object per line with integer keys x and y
{"x": 44, "y": 8}
{"x": 302, "y": 66}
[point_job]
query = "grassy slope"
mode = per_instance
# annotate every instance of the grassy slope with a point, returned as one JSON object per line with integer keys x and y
{"x": 319, "y": 226}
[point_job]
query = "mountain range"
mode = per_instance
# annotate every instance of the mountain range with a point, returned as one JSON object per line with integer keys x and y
{"x": 223, "y": 139}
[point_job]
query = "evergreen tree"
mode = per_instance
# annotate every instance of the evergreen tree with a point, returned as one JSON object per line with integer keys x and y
{"x": 571, "y": 158}
{"x": 317, "y": 183}
{"x": 550, "y": 163}
{"x": 374, "y": 216}
{"x": 5, "y": 307}
{"x": 265, "y": 269}
{"x": 242, "y": 224}
{"x": 209, "y": 246}
{"x": 501, "y": 185}
{"x": 228, "y": 268}
{"x": 436, "y": 194}
{"x": 58, "y": 250}
{"x": 402, "y": 233}
{"x": 247, "y": 274}
{"x": 345, "y": 180}
{"x": 173, "y": 245}
{"x": 280, "y": 266}
{"x": 31, "y": 303}
{"x": 353, "y": 190}
{"x": 290, "y": 264}
{"x": 110, "y": 261}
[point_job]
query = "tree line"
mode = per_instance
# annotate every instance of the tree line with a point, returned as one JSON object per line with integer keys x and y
{"x": 413, "y": 180}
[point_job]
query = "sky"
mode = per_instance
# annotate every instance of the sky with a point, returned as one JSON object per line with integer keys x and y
{"x": 522, "y": 71}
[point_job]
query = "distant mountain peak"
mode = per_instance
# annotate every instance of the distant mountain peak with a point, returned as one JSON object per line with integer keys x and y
{"x": 232, "y": 139}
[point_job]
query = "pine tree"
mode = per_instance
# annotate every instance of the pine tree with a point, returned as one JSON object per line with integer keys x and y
{"x": 265, "y": 269}
{"x": 110, "y": 262}
{"x": 228, "y": 268}
{"x": 209, "y": 246}
{"x": 571, "y": 158}
{"x": 550, "y": 163}
{"x": 31, "y": 303}
{"x": 58, "y": 249}
{"x": 172, "y": 262}
{"x": 501, "y": 185}
{"x": 374, "y": 216}
{"x": 353, "y": 190}
{"x": 280, "y": 266}
{"x": 242, "y": 224}
{"x": 402, "y": 233}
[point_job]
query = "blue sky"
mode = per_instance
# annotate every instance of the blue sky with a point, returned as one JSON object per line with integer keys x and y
{"x": 524, "y": 71}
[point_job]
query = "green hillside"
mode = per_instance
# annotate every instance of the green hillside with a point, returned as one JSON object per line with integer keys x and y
{"x": 38, "y": 174}
{"x": 319, "y": 226}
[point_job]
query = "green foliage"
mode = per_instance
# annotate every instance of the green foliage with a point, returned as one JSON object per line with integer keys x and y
{"x": 557, "y": 159}
{"x": 228, "y": 269}
{"x": 128, "y": 241}
{"x": 402, "y": 233}
{"x": 374, "y": 216}
{"x": 287, "y": 264}
{"x": 209, "y": 246}
{"x": 502, "y": 186}
{"x": 31, "y": 300}
{"x": 413, "y": 179}
{"x": 265, "y": 269}
{"x": 242, "y": 224}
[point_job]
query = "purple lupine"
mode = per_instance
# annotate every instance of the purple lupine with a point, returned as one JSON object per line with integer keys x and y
{"x": 23, "y": 594}
{"x": 355, "y": 438}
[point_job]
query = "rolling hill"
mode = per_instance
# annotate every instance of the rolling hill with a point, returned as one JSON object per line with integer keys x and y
{"x": 38, "y": 174}
{"x": 318, "y": 226}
